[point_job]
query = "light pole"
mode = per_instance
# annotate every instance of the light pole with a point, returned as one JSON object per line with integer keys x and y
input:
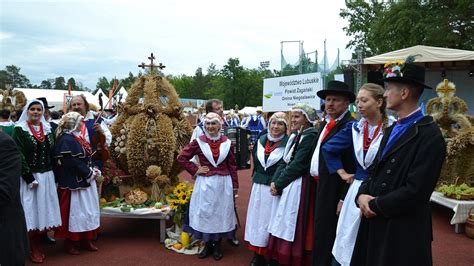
{"x": 264, "y": 65}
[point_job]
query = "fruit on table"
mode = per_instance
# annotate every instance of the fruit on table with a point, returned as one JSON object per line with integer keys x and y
{"x": 102, "y": 201}
{"x": 167, "y": 241}
{"x": 158, "y": 205}
{"x": 178, "y": 246}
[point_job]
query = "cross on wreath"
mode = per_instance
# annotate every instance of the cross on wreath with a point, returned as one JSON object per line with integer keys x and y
{"x": 151, "y": 65}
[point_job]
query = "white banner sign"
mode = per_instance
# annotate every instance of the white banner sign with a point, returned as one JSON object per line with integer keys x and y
{"x": 280, "y": 94}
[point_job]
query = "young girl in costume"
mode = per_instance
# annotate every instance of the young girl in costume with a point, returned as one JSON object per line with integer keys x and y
{"x": 364, "y": 136}
{"x": 39, "y": 198}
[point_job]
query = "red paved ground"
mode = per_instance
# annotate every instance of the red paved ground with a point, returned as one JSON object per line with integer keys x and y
{"x": 136, "y": 242}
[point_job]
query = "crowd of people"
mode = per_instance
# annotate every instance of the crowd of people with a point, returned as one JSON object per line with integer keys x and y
{"x": 327, "y": 190}
{"x": 55, "y": 189}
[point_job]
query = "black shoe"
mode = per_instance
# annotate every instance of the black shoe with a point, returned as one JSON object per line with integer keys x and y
{"x": 258, "y": 260}
{"x": 217, "y": 252}
{"x": 233, "y": 242}
{"x": 208, "y": 248}
{"x": 47, "y": 239}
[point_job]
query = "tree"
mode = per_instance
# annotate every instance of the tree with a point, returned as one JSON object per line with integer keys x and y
{"x": 128, "y": 81}
{"x": 103, "y": 84}
{"x": 11, "y": 75}
{"x": 378, "y": 27}
{"x": 46, "y": 85}
{"x": 74, "y": 86}
{"x": 60, "y": 83}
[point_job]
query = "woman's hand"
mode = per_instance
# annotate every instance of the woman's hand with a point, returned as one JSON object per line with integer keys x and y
{"x": 202, "y": 170}
{"x": 345, "y": 176}
{"x": 34, "y": 184}
{"x": 273, "y": 189}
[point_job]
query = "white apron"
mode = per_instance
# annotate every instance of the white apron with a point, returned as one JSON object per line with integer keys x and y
{"x": 41, "y": 204}
{"x": 285, "y": 208}
{"x": 211, "y": 209}
{"x": 349, "y": 218}
{"x": 258, "y": 215}
{"x": 347, "y": 226}
{"x": 84, "y": 212}
{"x": 260, "y": 203}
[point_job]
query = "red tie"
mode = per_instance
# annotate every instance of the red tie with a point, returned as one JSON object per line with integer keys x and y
{"x": 329, "y": 126}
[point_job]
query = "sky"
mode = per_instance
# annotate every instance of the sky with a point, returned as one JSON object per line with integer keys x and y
{"x": 89, "y": 39}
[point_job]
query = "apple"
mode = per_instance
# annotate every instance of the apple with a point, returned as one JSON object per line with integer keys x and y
{"x": 158, "y": 205}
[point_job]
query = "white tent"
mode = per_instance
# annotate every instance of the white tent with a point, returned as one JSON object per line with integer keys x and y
{"x": 428, "y": 54}
{"x": 56, "y": 97}
{"x": 249, "y": 110}
{"x": 440, "y": 63}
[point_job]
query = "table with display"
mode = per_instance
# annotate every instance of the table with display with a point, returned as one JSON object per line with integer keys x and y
{"x": 142, "y": 213}
{"x": 460, "y": 208}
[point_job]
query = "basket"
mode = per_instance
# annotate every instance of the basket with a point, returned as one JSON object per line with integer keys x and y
{"x": 469, "y": 228}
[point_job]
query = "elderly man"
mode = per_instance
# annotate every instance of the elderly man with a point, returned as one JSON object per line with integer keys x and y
{"x": 92, "y": 127}
{"x": 395, "y": 198}
{"x": 327, "y": 191}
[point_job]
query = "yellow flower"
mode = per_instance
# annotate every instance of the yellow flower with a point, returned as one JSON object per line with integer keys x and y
{"x": 400, "y": 62}
{"x": 181, "y": 185}
{"x": 389, "y": 63}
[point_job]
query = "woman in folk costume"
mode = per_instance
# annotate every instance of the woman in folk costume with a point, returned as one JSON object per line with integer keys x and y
{"x": 39, "y": 198}
{"x": 267, "y": 153}
{"x": 286, "y": 228}
{"x": 365, "y": 136}
{"x": 77, "y": 189}
{"x": 211, "y": 210}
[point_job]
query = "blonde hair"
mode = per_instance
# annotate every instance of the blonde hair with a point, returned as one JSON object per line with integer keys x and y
{"x": 376, "y": 91}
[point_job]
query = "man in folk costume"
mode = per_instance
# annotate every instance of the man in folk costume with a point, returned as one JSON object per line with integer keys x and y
{"x": 255, "y": 124}
{"x": 395, "y": 198}
{"x": 33, "y": 136}
{"x": 77, "y": 189}
{"x": 328, "y": 190}
{"x": 267, "y": 154}
{"x": 90, "y": 129}
{"x": 286, "y": 228}
{"x": 211, "y": 209}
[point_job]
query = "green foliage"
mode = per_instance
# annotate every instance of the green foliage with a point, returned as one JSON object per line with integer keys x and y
{"x": 60, "y": 84}
{"x": 379, "y": 27}
{"x": 11, "y": 76}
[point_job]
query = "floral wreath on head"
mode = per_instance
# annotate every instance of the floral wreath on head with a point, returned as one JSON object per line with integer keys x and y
{"x": 395, "y": 68}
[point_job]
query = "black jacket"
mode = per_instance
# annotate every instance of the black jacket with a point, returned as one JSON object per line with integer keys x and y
{"x": 14, "y": 242}
{"x": 402, "y": 182}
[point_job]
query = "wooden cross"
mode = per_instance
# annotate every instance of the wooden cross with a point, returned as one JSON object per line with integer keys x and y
{"x": 151, "y": 65}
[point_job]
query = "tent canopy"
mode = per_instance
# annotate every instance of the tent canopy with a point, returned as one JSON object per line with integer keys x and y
{"x": 428, "y": 54}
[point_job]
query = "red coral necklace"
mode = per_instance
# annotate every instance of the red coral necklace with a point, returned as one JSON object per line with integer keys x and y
{"x": 39, "y": 136}
{"x": 368, "y": 141}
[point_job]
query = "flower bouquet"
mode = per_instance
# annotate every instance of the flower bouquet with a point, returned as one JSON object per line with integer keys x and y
{"x": 178, "y": 200}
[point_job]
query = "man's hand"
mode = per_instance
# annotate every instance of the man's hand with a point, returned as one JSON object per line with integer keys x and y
{"x": 97, "y": 128}
{"x": 345, "y": 176}
{"x": 363, "y": 201}
{"x": 202, "y": 170}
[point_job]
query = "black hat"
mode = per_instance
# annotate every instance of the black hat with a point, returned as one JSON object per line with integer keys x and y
{"x": 405, "y": 72}
{"x": 45, "y": 102}
{"x": 337, "y": 88}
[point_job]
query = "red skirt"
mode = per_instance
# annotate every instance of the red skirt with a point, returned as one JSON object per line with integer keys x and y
{"x": 63, "y": 231}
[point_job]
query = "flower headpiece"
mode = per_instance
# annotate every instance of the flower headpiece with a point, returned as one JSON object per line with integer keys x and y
{"x": 396, "y": 68}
